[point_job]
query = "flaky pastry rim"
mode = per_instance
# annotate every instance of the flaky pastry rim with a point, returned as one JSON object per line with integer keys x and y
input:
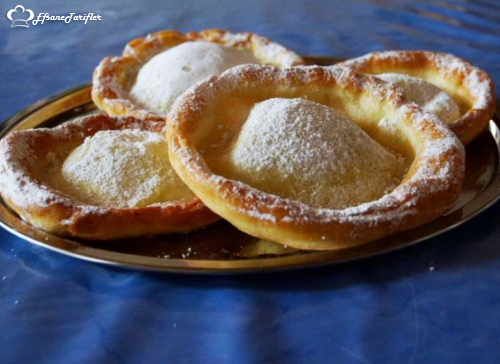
{"x": 474, "y": 80}
{"x": 51, "y": 210}
{"x": 420, "y": 198}
{"x": 111, "y": 77}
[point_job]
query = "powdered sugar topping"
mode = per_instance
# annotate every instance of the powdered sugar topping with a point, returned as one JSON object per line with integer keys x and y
{"x": 308, "y": 152}
{"x": 167, "y": 75}
{"x": 439, "y": 154}
{"x": 477, "y": 82}
{"x": 429, "y": 97}
{"x": 122, "y": 168}
{"x": 24, "y": 183}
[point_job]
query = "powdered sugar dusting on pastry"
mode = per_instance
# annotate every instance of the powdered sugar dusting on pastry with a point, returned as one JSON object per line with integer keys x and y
{"x": 122, "y": 168}
{"x": 474, "y": 81}
{"x": 429, "y": 97}
{"x": 266, "y": 51}
{"x": 115, "y": 76}
{"x": 14, "y": 182}
{"x": 17, "y": 181}
{"x": 437, "y": 171}
{"x": 20, "y": 178}
{"x": 167, "y": 75}
{"x": 309, "y": 152}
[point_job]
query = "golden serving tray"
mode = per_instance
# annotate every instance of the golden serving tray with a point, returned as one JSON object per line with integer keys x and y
{"x": 221, "y": 248}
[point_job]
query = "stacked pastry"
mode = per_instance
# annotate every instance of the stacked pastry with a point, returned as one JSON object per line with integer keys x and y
{"x": 211, "y": 125}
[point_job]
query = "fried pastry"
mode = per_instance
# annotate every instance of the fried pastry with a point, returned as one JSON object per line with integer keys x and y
{"x": 471, "y": 89}
{"x": 313, "y": 157}
{"x": 98, "y": 178}
{"x": 153, "y": 71}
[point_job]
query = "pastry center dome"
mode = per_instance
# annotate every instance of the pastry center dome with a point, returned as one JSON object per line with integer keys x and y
{"x": 308, "y": 152}
{"x": 122, "y": 168}
{"x": 428, "y": 96}
{"x": 167, "y": 75}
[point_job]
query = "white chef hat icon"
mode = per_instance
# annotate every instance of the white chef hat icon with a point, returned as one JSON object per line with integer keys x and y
{"x": 20, "y": 22}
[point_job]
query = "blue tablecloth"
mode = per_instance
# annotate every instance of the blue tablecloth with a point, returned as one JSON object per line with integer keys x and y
{"x": 437, "y": 302}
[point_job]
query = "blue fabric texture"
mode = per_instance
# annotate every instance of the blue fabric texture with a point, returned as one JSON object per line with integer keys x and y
{"x": 436, "y": 302}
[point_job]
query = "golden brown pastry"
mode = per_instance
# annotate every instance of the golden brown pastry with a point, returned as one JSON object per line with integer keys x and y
{"x": 470, "y": 87}
{"x": 153, "y": 71}
{"x": 313, "y": 157}
{"x": 97, "y": 178}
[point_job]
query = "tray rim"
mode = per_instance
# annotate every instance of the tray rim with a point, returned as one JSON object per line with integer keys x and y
{"x": 490, "y": 195}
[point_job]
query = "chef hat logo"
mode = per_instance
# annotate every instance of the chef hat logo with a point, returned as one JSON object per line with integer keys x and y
{"x": 16, "y": 16}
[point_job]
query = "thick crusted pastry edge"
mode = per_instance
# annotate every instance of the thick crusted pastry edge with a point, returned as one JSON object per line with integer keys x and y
{"x": 428, "y": 190}
{"x": 452, "y": 70}
{"x": 58, "y": 213}
{"x": 112, "y": 77}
